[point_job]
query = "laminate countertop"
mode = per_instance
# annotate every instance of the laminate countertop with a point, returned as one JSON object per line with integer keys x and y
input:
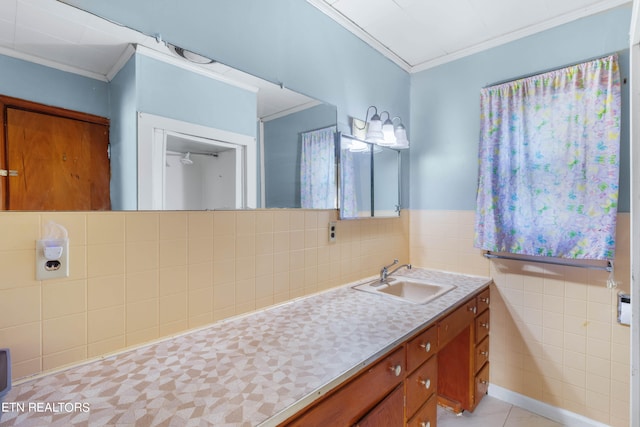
{"x": 251, "y": 370}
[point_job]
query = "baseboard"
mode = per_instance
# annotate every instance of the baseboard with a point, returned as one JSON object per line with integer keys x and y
{"x": 559, "y": 415}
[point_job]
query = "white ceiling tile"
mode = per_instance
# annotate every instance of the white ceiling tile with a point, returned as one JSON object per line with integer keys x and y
{"x": 506, "y": 16}
{"x": 40, "y": 18}
{"x": 451, "y": 26}
{"x": 7, "y": 32}
{"x": 366, "y": 12}
{"x": 8, "y": 10}
{"x": 97, "y": 59}
{"x": 417, "y": 31}
{"x": 405, "y": 3}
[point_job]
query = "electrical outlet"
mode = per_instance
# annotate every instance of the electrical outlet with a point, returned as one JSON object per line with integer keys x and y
{"x": 332, "y": 231}
{"x": 52, "y": 259}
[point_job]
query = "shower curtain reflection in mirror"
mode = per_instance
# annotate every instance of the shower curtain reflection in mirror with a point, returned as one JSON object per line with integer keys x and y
{"x": 318, "y": 189}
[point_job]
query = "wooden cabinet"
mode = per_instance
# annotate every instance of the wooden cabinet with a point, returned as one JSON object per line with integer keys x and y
{"x": 463, "y": 360}
{"x": 453, "y": 324}
{"x": 422, "y": 347}
{"x": 389, "y": 412}
{"x": 447, "y": 363}
{"x": 421, "y": 385}
{"x": 352, "y": 401}
{"x": 427, "y": 415}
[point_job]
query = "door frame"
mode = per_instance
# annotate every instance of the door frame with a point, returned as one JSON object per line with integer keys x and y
{"x": 151, "y": 157}
{"x": 634, "y": 51}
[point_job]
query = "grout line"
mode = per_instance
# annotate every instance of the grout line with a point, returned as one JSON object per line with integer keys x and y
{"x": 508, "y": 415}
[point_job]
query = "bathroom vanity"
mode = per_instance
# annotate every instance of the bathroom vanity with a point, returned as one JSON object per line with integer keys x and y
{"x": 446, "y": 362}
{"x": 342, "y": 354}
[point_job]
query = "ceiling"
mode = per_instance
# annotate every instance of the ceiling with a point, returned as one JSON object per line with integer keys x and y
{"x": 415, "y": 34}
{"x": 57, "y": 35}
{"x": 420, "y": 34}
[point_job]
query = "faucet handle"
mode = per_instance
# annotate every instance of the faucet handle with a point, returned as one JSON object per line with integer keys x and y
{"x": 395, "y": 261}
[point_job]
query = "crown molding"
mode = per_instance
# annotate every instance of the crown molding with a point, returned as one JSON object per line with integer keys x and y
{"x": 352, "y": 27}
{"x": 485, "y": 45}
{"x": 525, "y": 32}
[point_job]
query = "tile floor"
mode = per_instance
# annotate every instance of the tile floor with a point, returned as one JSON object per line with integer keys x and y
{"x": 492, "y": 412}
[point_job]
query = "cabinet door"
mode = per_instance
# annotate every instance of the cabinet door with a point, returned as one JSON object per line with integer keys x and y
{"x": 388, "y": 413}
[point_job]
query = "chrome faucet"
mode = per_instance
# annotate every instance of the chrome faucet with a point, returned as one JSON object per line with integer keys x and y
{"x": 385, "y": 273}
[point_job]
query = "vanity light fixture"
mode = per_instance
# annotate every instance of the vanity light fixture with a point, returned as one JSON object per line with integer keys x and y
{"x": 374, "y": 127}
{"x": 389, "y": 137}
{"x": 400, "y": 133}
{"x": 385, "y": 134}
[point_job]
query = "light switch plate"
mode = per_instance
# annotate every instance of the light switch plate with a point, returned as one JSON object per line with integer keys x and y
{"x": 624, "y": 309}
{"x": 52, "y": 269}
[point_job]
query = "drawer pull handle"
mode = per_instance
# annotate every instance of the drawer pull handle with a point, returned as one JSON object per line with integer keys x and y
{"x": 397, "y": 370}
{"x": 483, "y": 382}
{"x": 426, "y": 346}
{"x": 426, "y": 383}
{"x": 485, "y": 300}
{"x": 472, "y": 309}
{"x": 484, "y": 353}
{"x": 425, "y": 424}
{"x": 485, "y": 325}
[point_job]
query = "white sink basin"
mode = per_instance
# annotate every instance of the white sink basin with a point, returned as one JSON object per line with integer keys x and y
{"x": 407, "y": 289}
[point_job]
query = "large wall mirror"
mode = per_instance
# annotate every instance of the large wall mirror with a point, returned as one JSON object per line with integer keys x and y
{"x": 369, "y": 179}
{"x": 186, "y": 132}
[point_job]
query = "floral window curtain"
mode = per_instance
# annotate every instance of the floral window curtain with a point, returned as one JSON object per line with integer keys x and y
{"x": 318, "y": 189}
{"x": 348, "y": 191}
{"x": 549, "y": 162}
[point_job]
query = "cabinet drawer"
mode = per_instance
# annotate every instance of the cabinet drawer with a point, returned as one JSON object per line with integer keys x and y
{"x": 482, "y": 354}
{"x": 482, "y": 300}
{"x": 454, "y": 323}
{"x": 347, "y": 405}
{"x": 421, "y": 348}
{"x": 482, "y": 383}
{"x": 482, "y": 326}
{"x": 427, "y": 415}
{"x": 421, "y": 385}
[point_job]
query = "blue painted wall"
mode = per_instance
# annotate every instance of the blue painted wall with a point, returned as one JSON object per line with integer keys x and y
{"x": 287, "y": 41}
{"x": 282, "y": 153}
{"x": 37, "y": 83}
{"x": 123, "y": 136}
{"x": 445, "y": 104}
{"x": 283, "y": 41}
{"x": 150, "y": 86}
{"x": 169, "y": 91}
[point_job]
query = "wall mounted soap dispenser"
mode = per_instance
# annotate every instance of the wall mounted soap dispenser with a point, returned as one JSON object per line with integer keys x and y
{"x": 52, "y": 253}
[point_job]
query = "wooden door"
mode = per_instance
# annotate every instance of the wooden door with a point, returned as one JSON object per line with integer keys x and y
{"x": 61, "y": 159}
